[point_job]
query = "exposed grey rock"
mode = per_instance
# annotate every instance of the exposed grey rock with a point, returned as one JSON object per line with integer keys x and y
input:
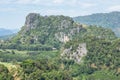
{"x": 31, "y": 21}
{"x": 67, "y": 36}
{"x": 75, "y": 55}
{"x": 61, "y": 36}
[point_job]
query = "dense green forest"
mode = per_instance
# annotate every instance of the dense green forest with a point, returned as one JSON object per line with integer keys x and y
{"x": 4, "y": 73}
{"x": 57, "y": 48}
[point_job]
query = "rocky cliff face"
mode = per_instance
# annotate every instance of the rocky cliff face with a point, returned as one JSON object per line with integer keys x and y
{"x": 76, "y": 54}
{"x": 31, "y": 21}
{"x": 66, "y": 36}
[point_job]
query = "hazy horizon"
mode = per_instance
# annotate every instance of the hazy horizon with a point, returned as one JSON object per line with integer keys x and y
{"x": 13, "y": 12}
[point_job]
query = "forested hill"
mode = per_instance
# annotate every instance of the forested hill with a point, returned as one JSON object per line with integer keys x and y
{"x": 108, "y": 20}
{"x": 48, "y": 32}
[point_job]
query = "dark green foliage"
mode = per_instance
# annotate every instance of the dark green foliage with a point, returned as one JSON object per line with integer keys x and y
{"x": 13, "y": 52}
{"x": 57, "y": 75}
{"x": 20, "y": 47}
{"x": 103, "y": 75}
{"x": 103, "y": 54}
{"x": 43, "y": 70}
{"x": 19, "y": 56}
{"x": 4, "y": 73}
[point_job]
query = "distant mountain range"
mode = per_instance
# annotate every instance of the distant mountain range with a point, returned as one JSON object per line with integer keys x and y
{"x": 108, "y": 20}
{"x": 7, "y": 33}
{"x": 4, "y": 32}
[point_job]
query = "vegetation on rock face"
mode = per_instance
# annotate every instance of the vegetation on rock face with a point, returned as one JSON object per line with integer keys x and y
{"x": 50, "y": 32}
{"x": 45, "y": 32}
{"x": 76, "y": 49}
{"x": 102, "y": 54}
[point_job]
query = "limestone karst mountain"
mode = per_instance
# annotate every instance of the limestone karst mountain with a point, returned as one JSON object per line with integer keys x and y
{"x": 47, "y": 30}
{"x": 51, "y": 32}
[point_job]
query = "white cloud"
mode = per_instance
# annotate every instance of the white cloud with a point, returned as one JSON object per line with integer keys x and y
{"x": 87, "y": 5}
{"x": 23, "y": 1}
{"x": 58, "y": 1}
{"x": 50, "y": 2}
{"x": 53, "y": 11}
{"x": 31, "y": 1}
{"x": 7, "y": 9}
{"x": 77, "y": 3}
{"x": 71, "y": 12}
{"x": 114, "y": 8}
{"x": 5, "y": 1}
{"x": 80, "y": 3}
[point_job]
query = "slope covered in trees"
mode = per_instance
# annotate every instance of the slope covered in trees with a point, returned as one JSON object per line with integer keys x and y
{"x": 46, "y": 32}
{"x": 4, "y": 73}
{"x": 108, "y": 20}
{"x": 51, "y": 32}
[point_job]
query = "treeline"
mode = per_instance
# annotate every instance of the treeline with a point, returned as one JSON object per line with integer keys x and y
{"x": 21, "y": 47}
{"x": 44, "y": 70}
{"x": 14, "y": 56}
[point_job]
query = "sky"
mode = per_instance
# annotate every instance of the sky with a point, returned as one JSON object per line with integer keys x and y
{"x": 13, "y": 12}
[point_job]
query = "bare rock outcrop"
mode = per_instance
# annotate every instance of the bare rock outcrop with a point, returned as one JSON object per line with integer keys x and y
{"x": 32, "y": 21}
{"x": 75, "y": 55}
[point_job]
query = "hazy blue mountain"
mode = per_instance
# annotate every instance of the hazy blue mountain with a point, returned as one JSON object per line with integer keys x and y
{"x": 4, "y": 32}
{"x": 7, "y": 33}
{"x": 15, "y": 30}
{"x": 108, "y": 20}
{"x": 7, "y": 37}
